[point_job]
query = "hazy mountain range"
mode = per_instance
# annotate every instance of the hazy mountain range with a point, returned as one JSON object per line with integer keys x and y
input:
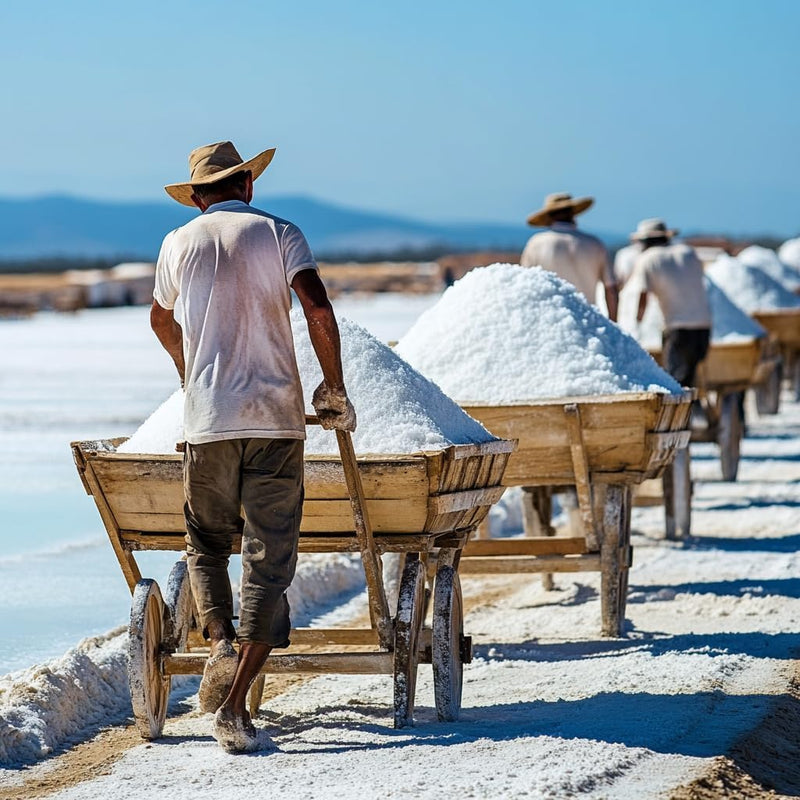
{"x": 74, "y": 227}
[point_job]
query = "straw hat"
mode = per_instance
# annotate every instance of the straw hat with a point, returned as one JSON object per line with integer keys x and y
{"x": 559, "y": 202}
{"x": 652, "y": 229}
{"x": 215, "y": 162}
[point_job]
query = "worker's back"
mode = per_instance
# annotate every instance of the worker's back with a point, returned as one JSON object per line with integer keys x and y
{"x": 232, "y": 267}
{"x": 674, "y": 274}
{"x": 573, "y": 255}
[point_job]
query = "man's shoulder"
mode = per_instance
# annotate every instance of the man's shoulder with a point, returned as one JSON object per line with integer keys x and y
{"x": 588, "y": 238}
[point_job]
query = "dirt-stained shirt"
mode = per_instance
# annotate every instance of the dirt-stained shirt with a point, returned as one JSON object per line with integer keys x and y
{"x": 573, "y": 255}
{"x": 230, "y": 270}
{"x": 674, "y": 274}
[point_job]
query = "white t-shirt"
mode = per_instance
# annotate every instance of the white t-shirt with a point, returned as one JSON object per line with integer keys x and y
{"x": 577, "y": 257}
{"x": 232, "y": 267}
{"x": 674, "y": 274}
{"x": 625, "y": 261}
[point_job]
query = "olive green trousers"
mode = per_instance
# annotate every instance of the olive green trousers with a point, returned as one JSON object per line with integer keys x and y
{"x": 252, "y": 487}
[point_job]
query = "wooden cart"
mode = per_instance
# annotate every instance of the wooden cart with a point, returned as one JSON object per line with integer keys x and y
{"x": 600, "y": 445}
{"x": 424, "y": 505}
{"x": 729, "y": 369}
{"x": 783, "y": 326}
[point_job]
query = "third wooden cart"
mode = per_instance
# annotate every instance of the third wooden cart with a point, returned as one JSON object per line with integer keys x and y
{"x": 601, "y": 445}
{"x": 783, "y": 326}
{"x": 728, "y": 370}
{"x": 424, "y": 505}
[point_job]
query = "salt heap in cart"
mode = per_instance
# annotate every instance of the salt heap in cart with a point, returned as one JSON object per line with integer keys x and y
{"x": 524, "y": 353}
{"x": 425, "y": 478}
{"x": 770, "y": 302}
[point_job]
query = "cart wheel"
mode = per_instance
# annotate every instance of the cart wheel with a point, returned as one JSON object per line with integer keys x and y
{"x": 768, "y": 394}
{"x": 448, "y": 644}
{"x": 408, "y": 624}
{"x": 180, "y": 616}
{"x": 149, "y": 686}
{"x": 729, "y": 436}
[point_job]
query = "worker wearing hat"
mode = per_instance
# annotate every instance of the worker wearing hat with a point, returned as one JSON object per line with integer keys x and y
{"x": 575, "y": 256}
{"x": 673, "y": 273}
{"x": 230, "y": 270}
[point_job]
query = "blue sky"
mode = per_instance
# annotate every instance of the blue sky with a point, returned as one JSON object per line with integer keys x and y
{"x": 443, "y": 111}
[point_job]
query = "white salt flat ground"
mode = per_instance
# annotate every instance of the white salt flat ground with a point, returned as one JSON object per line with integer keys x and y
{"x": 550, "y": 709}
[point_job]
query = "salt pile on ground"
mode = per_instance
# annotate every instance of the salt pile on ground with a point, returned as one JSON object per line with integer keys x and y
{"x": 768, "y": 261}
{"x": 511, "y": 334}
{"x": 729, "y": 323}
{"x": 44, "y": 707}
{"x": 789, "y": 253}
{"x": 750, "y": 287}
{"x": 399, "y": 410}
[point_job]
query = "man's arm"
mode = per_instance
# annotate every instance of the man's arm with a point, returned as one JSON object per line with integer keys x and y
{"x": 170, "y": 334}
{"x": 612, "y": 301}
{"x": 642, "y": 305}
{"x": 330, "y": 397}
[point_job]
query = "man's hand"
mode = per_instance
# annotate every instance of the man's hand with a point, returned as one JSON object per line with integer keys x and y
{"x": 333, "y": 408}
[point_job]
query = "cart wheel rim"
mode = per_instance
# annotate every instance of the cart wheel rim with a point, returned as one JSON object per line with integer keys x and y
{"x": 149, "y": 686}
{"x": 448, "y": 634}
{"x": 408, "y": 624}
{"x": 179, "y": 617}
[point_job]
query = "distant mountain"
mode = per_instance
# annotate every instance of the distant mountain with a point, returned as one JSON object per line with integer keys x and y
{"x": 73, "y": 228}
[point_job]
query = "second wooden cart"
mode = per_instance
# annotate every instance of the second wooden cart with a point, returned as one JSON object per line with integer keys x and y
{"x": 601, "y": 445}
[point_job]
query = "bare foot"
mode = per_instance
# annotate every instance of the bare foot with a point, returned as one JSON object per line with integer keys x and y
{"x": 218, "y": 675}
{"x": 236, "y": 733}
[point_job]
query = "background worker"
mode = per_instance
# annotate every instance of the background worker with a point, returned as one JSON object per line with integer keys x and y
{"x": 625, "y": 261}
{"x": 244, "y": 421}
{"x": 673, "y": 273}
{"x": 577, "y": 257}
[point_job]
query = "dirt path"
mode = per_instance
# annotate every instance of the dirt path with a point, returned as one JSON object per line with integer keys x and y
{"x": 97, "y": 756}
{"x": 765, "y": 763}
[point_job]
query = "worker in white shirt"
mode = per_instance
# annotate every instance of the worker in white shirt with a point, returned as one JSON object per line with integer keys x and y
{"x": 674, "y": 274}
{"x": 625, "y": 261}
{"x": 577, "y": 257}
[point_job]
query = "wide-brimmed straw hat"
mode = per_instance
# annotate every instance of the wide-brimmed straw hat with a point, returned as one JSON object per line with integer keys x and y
{"x": 215, "y": 162}
{"x": 654, "y": 228}
{"x": 559, "y": 202}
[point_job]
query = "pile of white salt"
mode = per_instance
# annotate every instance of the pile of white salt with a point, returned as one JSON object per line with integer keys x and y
{"x": 770, "y": 262}
{"x": 789, "y": 253}
{"x": 399, "y": 410}
{"x": 750, "y": 287}
{"x": 508, "y": 334}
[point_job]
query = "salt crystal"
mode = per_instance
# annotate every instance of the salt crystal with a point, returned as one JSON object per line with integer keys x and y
{"x": 750, "y": 287}
{"x": 509, "y": 334}
{"x": 399, "y": 410}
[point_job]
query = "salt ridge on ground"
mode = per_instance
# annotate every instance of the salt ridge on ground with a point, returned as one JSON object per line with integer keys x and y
{"x": 508, "y": 334}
